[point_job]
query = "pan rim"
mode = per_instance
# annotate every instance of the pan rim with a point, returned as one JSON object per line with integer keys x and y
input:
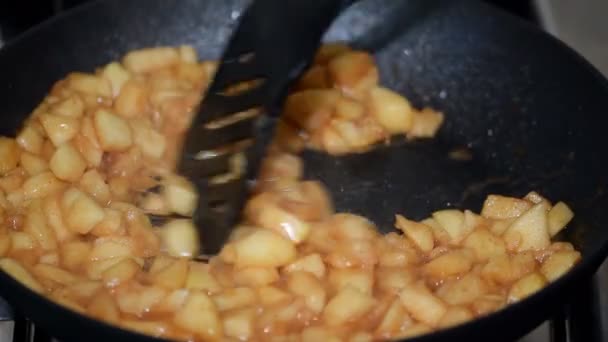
{"x": 594, "y": 256}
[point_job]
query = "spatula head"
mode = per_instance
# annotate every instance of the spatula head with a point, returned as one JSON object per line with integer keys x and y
{"x": 273, "y": 44}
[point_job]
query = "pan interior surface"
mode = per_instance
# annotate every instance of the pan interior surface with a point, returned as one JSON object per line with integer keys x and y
{"x": 528, "y": 111}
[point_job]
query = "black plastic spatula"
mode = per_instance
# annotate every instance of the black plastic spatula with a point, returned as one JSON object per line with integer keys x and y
{"x": 273, "y": 44}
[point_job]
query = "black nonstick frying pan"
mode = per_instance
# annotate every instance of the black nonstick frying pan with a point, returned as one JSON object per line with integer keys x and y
{"x": 531, "y": 113}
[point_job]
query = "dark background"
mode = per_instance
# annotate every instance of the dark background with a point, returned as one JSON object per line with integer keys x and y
{"x": 19, "y": 15}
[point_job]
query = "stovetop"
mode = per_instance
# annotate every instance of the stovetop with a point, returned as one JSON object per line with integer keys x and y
{"x": 580, "y": 24}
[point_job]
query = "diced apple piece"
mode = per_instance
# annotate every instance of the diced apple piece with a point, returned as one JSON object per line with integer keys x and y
{"x": 187, "y": 53}
{"x": 120, "y": 273}
{"x": 329, "y": 51}
{"x": 393, "y": 279}
{"x": 173, "y": 276}
{"x": 21, "y": 241}
{"x": 150, "y": 59}
{"x": 503, "y": 207}
{"x": 181, "y": 195}
{"x": 33, "y": 164}
{"x": 256, "y": 276}
{"x": 14, "y": 269}
{"x": 54, "y": 218}
{"x": 346, "y": 306}
{"x": 35, "y": 225}
{"x": 558, "y": 217}
{"x": 263, "y": 248}
{"x": 530, "y": 231}
{"x": 312, "y": 263}
{"x": 426, "y": 123}
{"x": 200, "y": 316}
{"x": 111, "y": 225}
{"x": 5, "y": 244}
{"x": 347, "y": 108}
{"x": 499, "y": 227}
{"x": 526, "y": 286}
{"x": 173, "y": 302}
{"x": 104, "y": 308}
{"x": 449, "y": 264}
{"x": 50, "y": 258}
{"x": 116, "y": 75}
{"x": 94, "y": 184}
{"x": 420, "y": 234}
{"x": 132, "y": 100}
{"x": 505, "y": 269}
{"x": 41, "y": 185}
{"x": 81, "y": 291}
{"x": 54, "y": 274}
{"x": 90, "y": 84}
{"x": 30, "y": 140}
{"x": 309, "y": 287}
{"x": 239, "y": 324}
{"x": 234, "y": 298}
{"x": 200, "y": 278}
{"x": 151, "y": 142}
{"x": 74, "y": 254}
{"x": 484, "y": 244}
{"x": 452, "y": 221}
{"x": 558, "y": 263}
{"x": 83, "y": 213}
{"x": 137, "y": 299}
{"x": 535, "y": 198}
{"x": 270, "y": 296}
{"x": 420, "y": 302}
{"x": 462, "y": 291}
{"x": 263, "y": 210}
{"x": 150, "y": 328}
{"x": 67, "y": 164}
{"x": 60, "y": 129}
{"x": 318, "y": 333}
{"x": 73, "y": 107}
{"x": 455, "y": 315}
{"x": 360, "y": 279}
{"x": 488, "y": 304}
{"x": 9, "y": 155}
{"x": 395, "y": 318}
{"x": 180, "y": 238}
{"x": 354, "y": 73}
{"x": 90, "y": 151}
{"x": 311, "y": 109}
{"x": 393, "y": 111}
{"x": 113, "y": 131}
{"x": 112, "y": 247}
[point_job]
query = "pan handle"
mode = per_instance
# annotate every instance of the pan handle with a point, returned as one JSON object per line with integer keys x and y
{"x": 580, "y": 320}
{"x": 24, "y": 330}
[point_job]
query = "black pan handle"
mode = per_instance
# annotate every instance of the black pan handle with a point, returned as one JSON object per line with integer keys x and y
{"x": 580, "y": 320}
{"x": 24, "y": 330}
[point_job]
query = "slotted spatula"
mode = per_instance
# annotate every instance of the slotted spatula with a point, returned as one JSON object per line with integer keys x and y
{"x": 274, "y": 43}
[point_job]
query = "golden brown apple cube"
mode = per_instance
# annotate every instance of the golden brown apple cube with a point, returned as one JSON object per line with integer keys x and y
{"x": 113, "y": 131}
{"x": 117, "y": 75}
{"x": 151, "y": 59}
{"x": 391, "y": 110}
{"x": 9, "y": 155}
{"x": 558, "y": 217}
{"x": 67, "y": 163}
{"x": 60, "y": 129}
{"x": 502, "y": 207}
{"x": 200, "y": 315}
{"x": 420, "y": 302}
{"x": 347, "y": 305}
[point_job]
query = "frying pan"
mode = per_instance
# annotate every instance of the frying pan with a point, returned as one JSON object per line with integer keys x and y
{"x": 530, "y": 112}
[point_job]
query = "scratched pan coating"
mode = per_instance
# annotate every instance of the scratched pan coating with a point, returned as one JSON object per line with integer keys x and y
{"x": 529, "y": 111}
